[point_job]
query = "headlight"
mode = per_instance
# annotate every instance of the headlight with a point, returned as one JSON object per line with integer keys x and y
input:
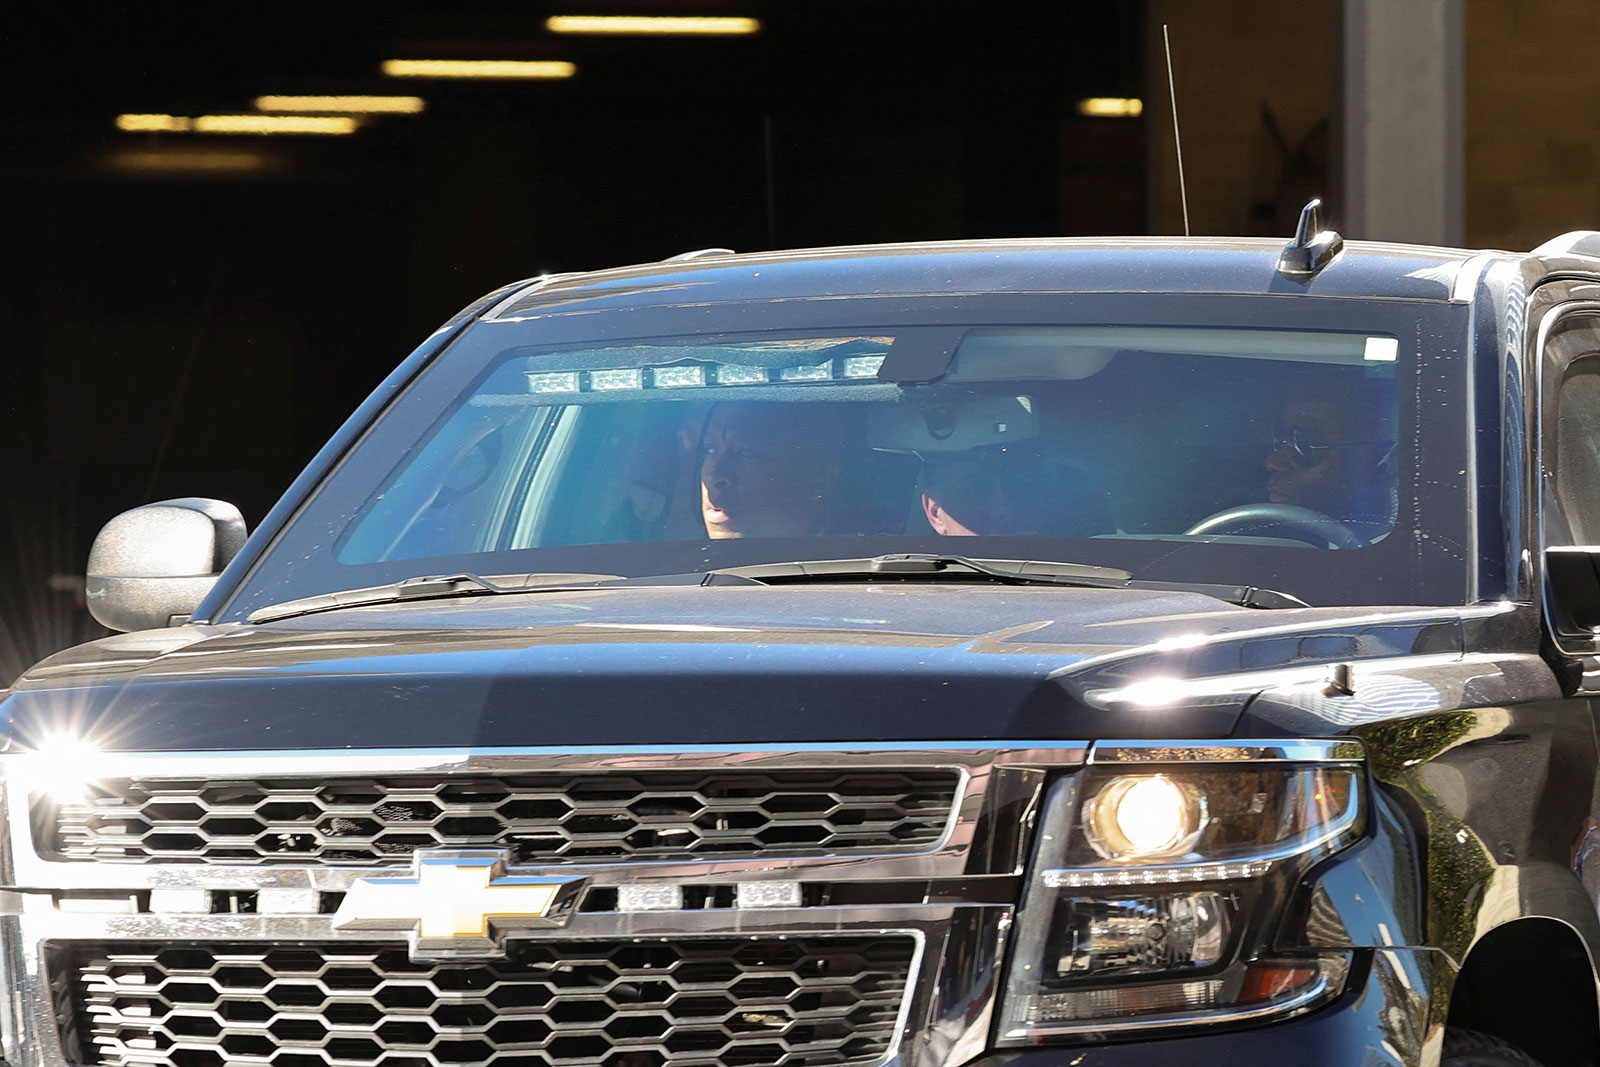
{"x": 1154, "y": 893}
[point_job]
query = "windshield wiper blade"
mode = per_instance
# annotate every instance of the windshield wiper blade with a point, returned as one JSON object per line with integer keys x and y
{"x": 1011, "y": 571}
{"x": 1018, "y": 571}
{"x": 426, "y": 587}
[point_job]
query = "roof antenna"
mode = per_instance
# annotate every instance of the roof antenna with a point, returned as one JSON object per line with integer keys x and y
{"x": 1312, "y": 248}
{"x": 1172, "y": 88}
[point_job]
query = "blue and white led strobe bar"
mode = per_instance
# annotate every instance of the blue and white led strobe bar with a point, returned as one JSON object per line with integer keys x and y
{"x": 693, "y": 375}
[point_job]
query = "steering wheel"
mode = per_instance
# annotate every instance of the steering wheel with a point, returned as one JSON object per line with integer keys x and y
{"x": 1272, "y": 520}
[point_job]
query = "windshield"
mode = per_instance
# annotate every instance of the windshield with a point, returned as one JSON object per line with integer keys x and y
{"x": 1204, "y": 453}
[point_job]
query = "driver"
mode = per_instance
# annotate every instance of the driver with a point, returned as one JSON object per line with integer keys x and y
{"x": 767, "y": 470}
{"x": 1333, "y": 451}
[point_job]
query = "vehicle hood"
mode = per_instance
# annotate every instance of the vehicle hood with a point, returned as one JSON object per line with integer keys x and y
{"x": 741, "y": 665}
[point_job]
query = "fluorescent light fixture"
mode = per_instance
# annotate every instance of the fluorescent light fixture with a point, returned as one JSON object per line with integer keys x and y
{"x": 342, "y": 105}
{"x": 154, "y": 123}
{"x": 1111, "y": 107}
{"x": 325, "y": 125}
{"x": 479, "y": 68}
{"x": 625, "y": 25}
{"x": 194, "y": 160}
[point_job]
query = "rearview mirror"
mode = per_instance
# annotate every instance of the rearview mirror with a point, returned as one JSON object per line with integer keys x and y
{"x": 152, "y": 566}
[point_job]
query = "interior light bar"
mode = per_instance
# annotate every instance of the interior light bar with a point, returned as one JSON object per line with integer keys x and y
{"x": 479, "y": 68}
{"x": 615, "y": 379}
{"x": 1111, "y": 107}
{"x": 342, "y": 105}
{"x": 645, "y": 25}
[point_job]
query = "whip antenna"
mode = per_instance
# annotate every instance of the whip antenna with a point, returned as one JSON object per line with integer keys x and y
{"x": 1183, "y": 193}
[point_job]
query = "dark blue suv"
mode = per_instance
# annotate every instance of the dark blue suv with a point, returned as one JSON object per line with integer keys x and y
{"x": 1036, "y": 652}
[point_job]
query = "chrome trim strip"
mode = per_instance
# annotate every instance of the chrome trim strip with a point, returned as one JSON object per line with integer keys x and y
{"x": 43, "y": 922}
{"x": 299, "y": 762}
{"x": 1333, "y": 750}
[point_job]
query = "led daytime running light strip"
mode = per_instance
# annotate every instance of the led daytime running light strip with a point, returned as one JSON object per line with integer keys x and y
{"x": 1104, "y": 877}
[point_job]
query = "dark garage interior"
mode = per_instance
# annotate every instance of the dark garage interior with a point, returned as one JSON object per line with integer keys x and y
{"x": 191, "y": 314}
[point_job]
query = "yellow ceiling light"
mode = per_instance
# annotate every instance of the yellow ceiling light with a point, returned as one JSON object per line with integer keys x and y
{"x": 154, "y": 123}
{"x": 479, "y": 68}
{"x": 688, "y": 26}
{"x": 1111, "y": 107}
{"x": 342, "y": 105}
{"x": 326, "y": 125}
{"x": 191, "y": 160}
{"x": 256, "y": 124}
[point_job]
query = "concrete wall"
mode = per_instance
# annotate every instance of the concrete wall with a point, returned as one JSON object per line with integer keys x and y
{"x": 1532, "y": 115}
{"x": 1532, "y": 120}
{"x": 1233, "y": 59}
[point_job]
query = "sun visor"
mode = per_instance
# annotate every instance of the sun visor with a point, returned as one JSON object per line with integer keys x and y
{"x": 955, "y": 426}
{"x": 1031, "y": 353}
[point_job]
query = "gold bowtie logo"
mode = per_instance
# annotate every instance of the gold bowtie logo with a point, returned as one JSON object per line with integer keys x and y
{"x": 457, "y": 904}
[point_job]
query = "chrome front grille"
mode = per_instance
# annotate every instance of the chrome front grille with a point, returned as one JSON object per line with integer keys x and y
{"x": 183, "y": 915}
{"x": 788, "y": 1002}
{"x": 542, "y": 818}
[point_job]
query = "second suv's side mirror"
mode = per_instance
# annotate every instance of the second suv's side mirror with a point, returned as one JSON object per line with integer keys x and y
{"x": 152, "y": 566}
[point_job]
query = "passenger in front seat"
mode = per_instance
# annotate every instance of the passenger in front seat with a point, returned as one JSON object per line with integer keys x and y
{"x": 767, "y": 470}
{"x": 1012, "y": 490}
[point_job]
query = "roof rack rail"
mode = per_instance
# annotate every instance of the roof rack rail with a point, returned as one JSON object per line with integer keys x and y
{"x": 700, "y": 253}
{"x": 1312, "y": 248}
{"x": 521, "y": 289}
{"x": 1575, "y": 243}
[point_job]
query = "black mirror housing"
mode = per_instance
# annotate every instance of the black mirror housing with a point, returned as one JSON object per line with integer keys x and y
{"x": 152, "y": 566}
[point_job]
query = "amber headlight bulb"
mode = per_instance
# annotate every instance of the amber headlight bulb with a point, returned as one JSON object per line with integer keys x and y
{"x": 1140, "y": 817}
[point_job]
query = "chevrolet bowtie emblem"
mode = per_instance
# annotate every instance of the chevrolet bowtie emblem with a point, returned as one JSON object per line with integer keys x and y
{"x": 457, "y": 904}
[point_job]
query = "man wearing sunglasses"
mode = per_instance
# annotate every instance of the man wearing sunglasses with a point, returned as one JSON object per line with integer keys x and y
{"x": 1333, "y": 451}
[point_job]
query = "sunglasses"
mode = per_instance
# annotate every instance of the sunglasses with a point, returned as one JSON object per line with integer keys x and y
{"x": 1305, "y": 454}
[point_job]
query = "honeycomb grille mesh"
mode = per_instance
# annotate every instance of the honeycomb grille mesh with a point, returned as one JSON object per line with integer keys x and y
{"x": 549, "y": 818}
{"x": 796, "y": 1002}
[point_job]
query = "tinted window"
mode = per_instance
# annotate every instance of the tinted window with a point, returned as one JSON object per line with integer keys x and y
{"x": 1178, "y": 449}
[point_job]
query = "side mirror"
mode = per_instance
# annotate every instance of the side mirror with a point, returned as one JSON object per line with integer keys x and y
{"x": 152, "y": 566}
